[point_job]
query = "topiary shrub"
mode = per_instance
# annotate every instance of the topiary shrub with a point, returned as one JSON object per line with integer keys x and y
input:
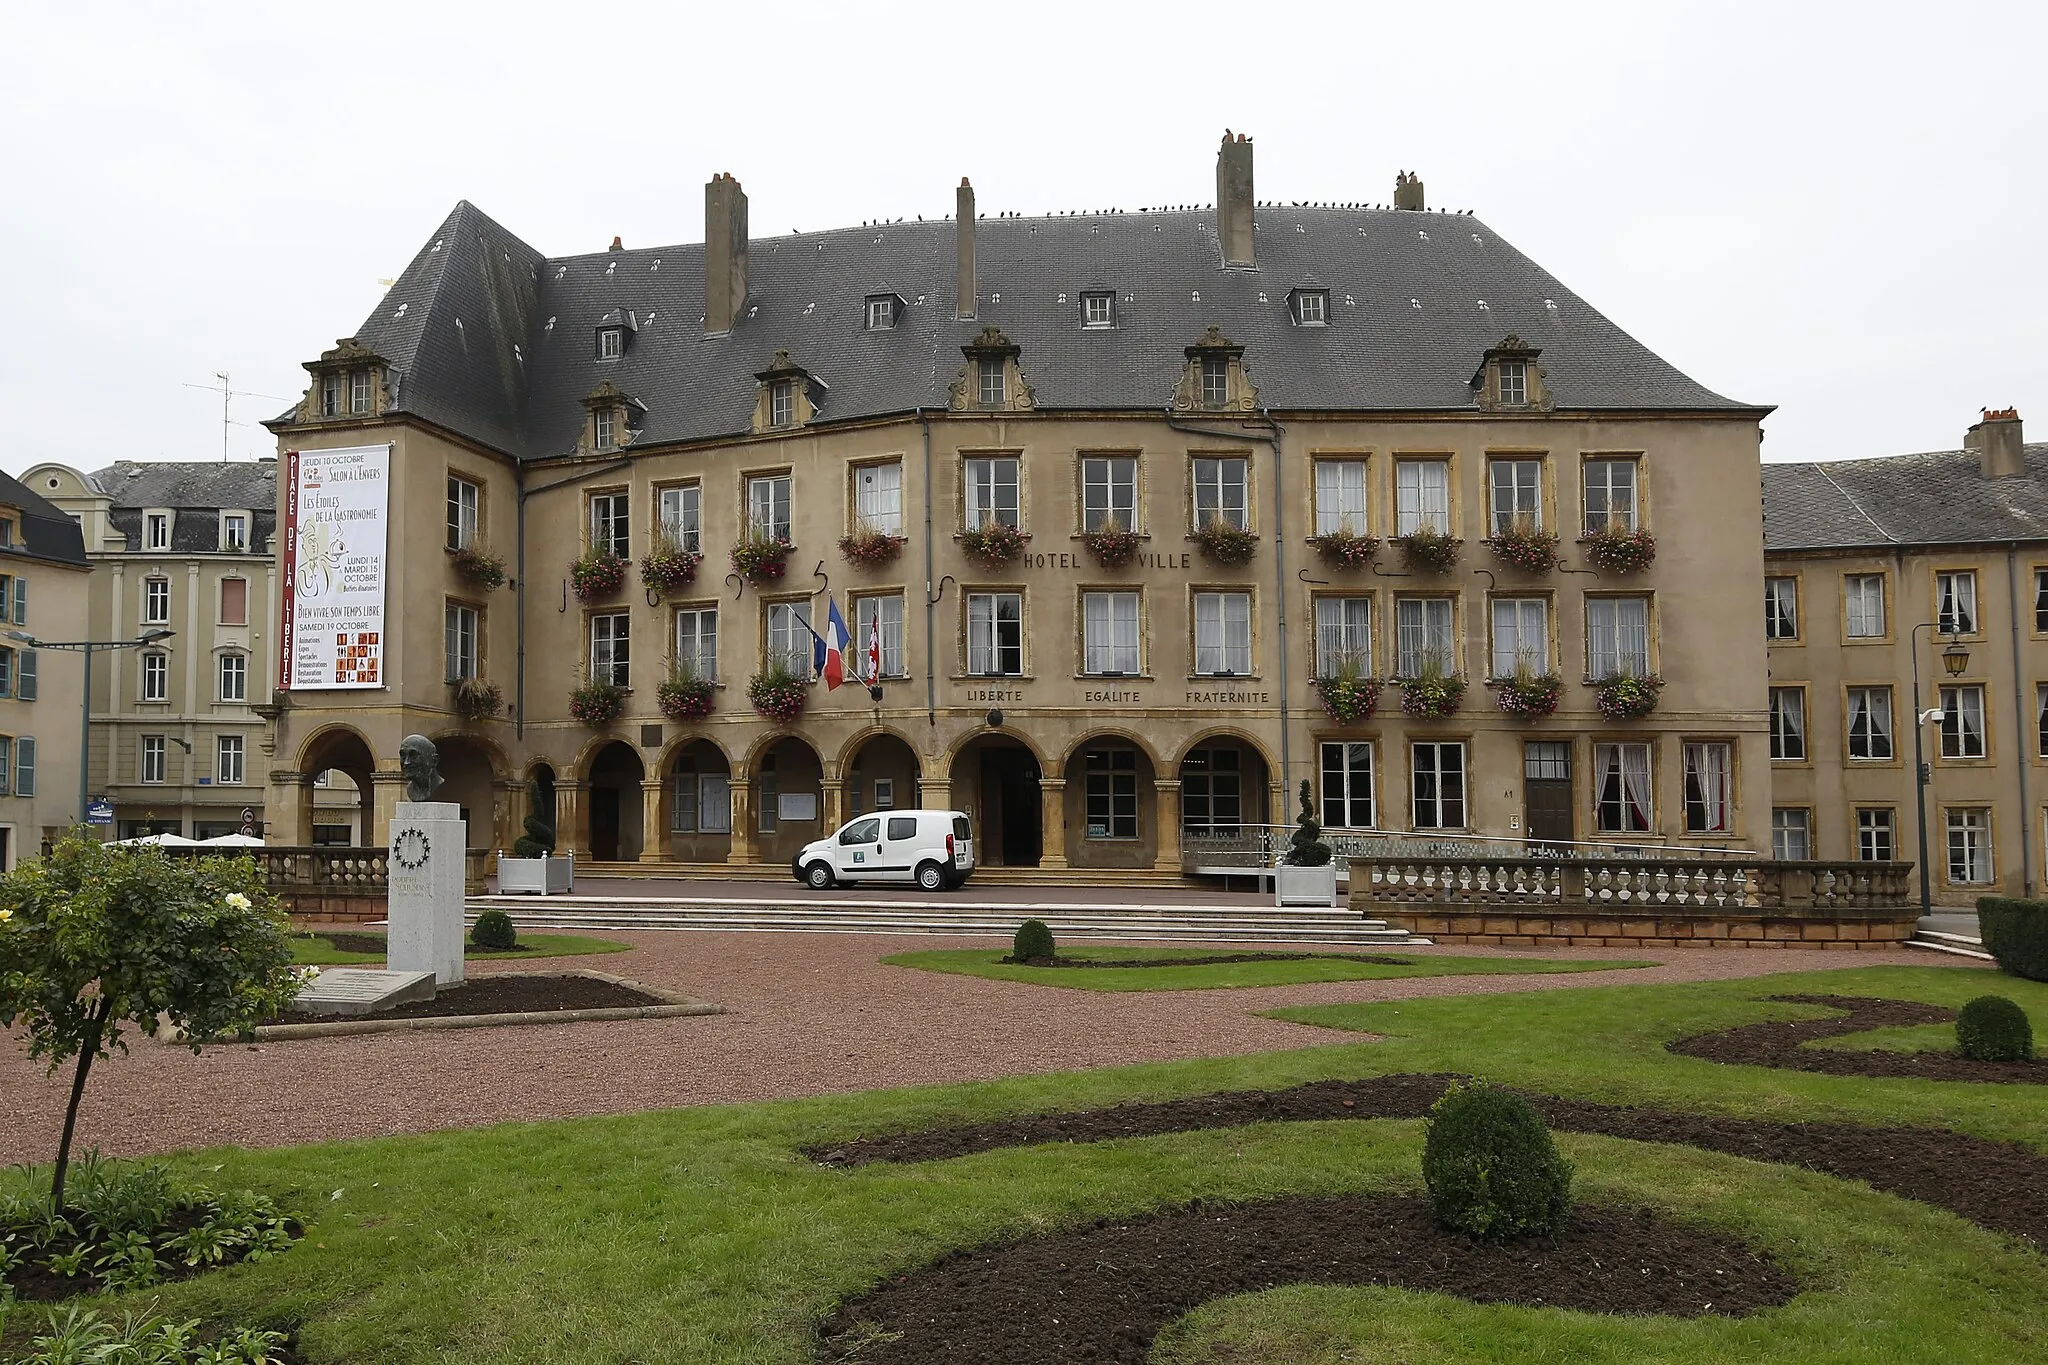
{"x": 2016, "y": 933}
{"x": 539, "y": 839}
{"x": 1306, "y": 848}
{"x": 493, "y": 931}
{"x": 1493, "y": 1172}
{"x": 1992, "y": 1028}
{"x": 1033, "y": 942}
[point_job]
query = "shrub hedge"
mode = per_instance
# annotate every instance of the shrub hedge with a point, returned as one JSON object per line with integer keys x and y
{"x": 1033, "y": 940}
{"x": 493, "y": 931}
{"x": 1492, "y": 1171}
{"x": 1992, "y": 1028}
{"x": 2016, "y": 933}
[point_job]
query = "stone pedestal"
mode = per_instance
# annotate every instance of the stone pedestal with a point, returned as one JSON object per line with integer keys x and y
{"x": 425, "y": 877}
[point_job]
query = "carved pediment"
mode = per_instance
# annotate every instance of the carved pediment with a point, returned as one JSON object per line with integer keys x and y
{"x": 991, "y": 347}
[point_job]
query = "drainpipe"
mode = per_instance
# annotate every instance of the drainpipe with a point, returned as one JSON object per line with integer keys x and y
{"x": 2019, "y": 720}
{"x": 931, "y": 610}
{"x": 519, "y": 583}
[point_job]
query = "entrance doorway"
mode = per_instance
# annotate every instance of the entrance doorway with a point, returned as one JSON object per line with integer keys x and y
{"x": 1001, "y": 777}
{"x": 1547, "y": 794}
{"x": 615, "y": 804}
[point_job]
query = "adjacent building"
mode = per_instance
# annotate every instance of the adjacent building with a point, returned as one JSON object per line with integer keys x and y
{"x": 43, "y": 577}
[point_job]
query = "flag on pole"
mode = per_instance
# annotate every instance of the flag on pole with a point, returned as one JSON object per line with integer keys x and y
{"x": 834, "y": 644}
{"x": 875, "y": 642}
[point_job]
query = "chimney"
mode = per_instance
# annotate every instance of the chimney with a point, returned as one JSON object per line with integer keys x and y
{"x": 1408, "y": 191}
{"x": 1996, "y": 440}
{"x": 1234, "y": 200}
{"x": 618, "y": 244}
{"x": 963, "y": 246}
{"x": 725, "y": 253}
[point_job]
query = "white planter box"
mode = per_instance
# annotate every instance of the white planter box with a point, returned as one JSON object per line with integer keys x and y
{"x": 536, "y": 876}
{"x": 1306, "y": 885}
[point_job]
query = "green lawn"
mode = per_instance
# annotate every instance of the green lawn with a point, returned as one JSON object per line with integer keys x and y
{"x": 317, "y": 952}
{"x": 702, "y": 1236}
{"x": 1219, "y": 975}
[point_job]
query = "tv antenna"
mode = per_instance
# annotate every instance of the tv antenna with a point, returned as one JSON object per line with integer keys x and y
{"x": 226, "y": 395}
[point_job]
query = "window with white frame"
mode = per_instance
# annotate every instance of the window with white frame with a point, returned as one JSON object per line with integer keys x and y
{"x": 1348, "y": 791}
{"x": 234, "y": 677}
{"x": 1438, "y": 770}
{"x": 330, "y": 395}
{"x": 1870, "y": 722}
{"x": 1098, "y": 309}
{"x": 605, "y": 428}
{"x": 1223, "y": 634}
{"x": 459, "y": 641}
{"x": 992, "y": 490}
{"x": 1962, "y": 722}
{"x": 1863, "y": 606}
{"x": 1709, "y": 771}
{"x": 881, "y": 312}
{"x": 611, "y": 524}
{"x": 1788, "y": 723}
{"x": 782, "y": 403}
{"x": 1955, "y": 602}
{"x": 228, "y": 767}
{"x": 878, "y": 497}
{"x": 153, "y": 760}
{"x": 1781, "y": 608}
{"x": 1521, "y": 636}
{"x": 358, "y": 390}
{"x": 1109, "y": 492}
{"x": 701, "y": 801}
{"x": 1219, "y": 487}
{"x": 156, "y": 531}
{"x": 1109, "y": 633}
{"x": 611, "y": 650}
{"x": 1514, "y": 495}
{"x": 1340, "y": 497}
{"x": 992, "y": 387}
{"x": 1617, "y": 637}
{"x": 1343, "y": 636}
{"x": 1424, "y": 641}
{"x": 1215, "y": 381}
{"x": 681, "y": 509}
{"x": 877, "y": 628}
{"x": 2041, "y": 601}
{"x": 789, "y": 636}
{"x": 156, "y": 675}
{"x": 1792, "y": 833}
{"x": 1622, "y": 802}
{"x": 995, "y": 634}
{"x": 1110, "y": 787}
{"x": 1514, "y": 383}
{"x": 1311, "y": 307}
{"x": 697, "y": 642}
{"x": 1969, "y": 846}
{"x": 1875, "y": 838}
{"x": 2041, "y": 719}
{"x": 1422, "y": 497}
{"x": 6, "y": 672}
{"x": 156, "y": 601}
{"x": 611, "y": 343}
{"x": 464, "y": 499}
{"x": 1610, "y": 495}
{"x": 234, "y": 532}
{"x": 768, "y": 506}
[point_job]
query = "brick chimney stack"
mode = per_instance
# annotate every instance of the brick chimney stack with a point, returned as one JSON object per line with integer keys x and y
{"x": 963, "y": 246}
{"x": 1234, "y": 229}
{"x": 1408, "y": 191}
{"x": 725, "y": 253}
{"x": 1996, "y": 439}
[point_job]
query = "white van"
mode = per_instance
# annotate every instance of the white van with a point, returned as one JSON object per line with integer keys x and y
{"x": 933, "y": 848}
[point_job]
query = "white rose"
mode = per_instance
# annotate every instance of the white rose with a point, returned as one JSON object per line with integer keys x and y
{"x": 237, "y": 901}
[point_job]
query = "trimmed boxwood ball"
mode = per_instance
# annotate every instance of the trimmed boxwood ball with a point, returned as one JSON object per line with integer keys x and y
{"x": 2016, "y": 933}
{"x": 1493, "y": 1172}
{"x": 1033, "y": 940}
{"x": 1992, "y": 1028}
{"x": 493, "y": 931}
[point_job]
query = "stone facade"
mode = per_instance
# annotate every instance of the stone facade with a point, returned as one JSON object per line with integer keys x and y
{"x": 42, "y": 596}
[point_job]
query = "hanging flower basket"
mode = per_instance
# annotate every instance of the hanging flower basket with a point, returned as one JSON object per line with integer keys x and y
{"x": 1112, "y": 546}
{"x": 1524, "y": 548}
{"x": 867, "y": 548}
{"x": 778, "y": 693}
{"x": 476, "y": 699}
{"x": 485, "y": 570}
{"x": 1620, "y": 550}
{"x": 1429, "y": 551}
{"x": 1432, "y": 698}
{"x": 597, "y": 704}
{"x": 1222, "y": 543}
{"x": 761, "y": 558}
{"x": 1348, "y": 700}
{"x": 684, "y": 696}
{"x": 1531, "y": 696}
{"x": 597, "y": 576}
{"x": 669, "y": 569}
{"x": 1626, "y": 696}
{"x": 1345, "y": 549}
{"x": 992, "y": 543}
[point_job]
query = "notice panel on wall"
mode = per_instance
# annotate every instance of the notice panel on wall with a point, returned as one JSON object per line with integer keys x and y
{"x": 336, "y": 502}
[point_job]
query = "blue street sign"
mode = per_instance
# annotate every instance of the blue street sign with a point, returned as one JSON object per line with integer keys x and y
{"x": 100, "y": 812}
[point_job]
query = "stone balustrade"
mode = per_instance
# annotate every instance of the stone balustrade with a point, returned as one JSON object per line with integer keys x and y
{"x": 323, "y": 884}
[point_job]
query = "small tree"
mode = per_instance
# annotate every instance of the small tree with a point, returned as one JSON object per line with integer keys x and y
{"x": 1307, "y": 848}
{"x": 95, "y": 937}
{"x": 539, "y": 839}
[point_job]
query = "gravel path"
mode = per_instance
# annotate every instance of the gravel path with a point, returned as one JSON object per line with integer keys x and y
{"x": 807, "y": 1014}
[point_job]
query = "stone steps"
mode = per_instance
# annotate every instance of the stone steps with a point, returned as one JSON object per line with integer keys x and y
{"x": 1957, "y": 945}
{"x": 985, "y": 875}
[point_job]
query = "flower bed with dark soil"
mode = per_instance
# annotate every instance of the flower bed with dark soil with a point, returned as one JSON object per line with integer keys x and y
{"x": 33, "y": 1280}
{"x": 1781, "y": 1043}
{"x": 1218, "y": 960}
{"x": 1998, "y": 1185}
{"x": 523, "y": 994}
{"x": 1048, "y": 1301}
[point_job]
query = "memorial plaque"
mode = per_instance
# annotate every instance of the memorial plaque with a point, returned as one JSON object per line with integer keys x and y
{"x": 361, "y": 990}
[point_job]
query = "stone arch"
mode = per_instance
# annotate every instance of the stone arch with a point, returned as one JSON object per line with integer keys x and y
{"x": 1124, "y": 832}
{"x": 1117, "y": 734}
{"x": 688, "y": 739}
{"x": 784, "y": 764}
{"x": 1232, "y": 732}
{"x": 877, "y": 768}
{"x": 853, "y": 746}
{"x": 317, "y": 813}
{"x": 473, "y": 776}
{"x": 1225, "y": 778}
{"x": 612, "y": 801}
{"x": 696, "y": 808}
{"x": 1049, "y": 764}
{"x": 998, "y": 778}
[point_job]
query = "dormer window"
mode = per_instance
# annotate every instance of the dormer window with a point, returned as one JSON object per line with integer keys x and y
{"x": 782, "y": 403}
{"x": 330, "y": 395}
{"x": 1509, "y": 378}
{"x": 606, "y": 433}
{"x": 1215, "y": 381}
{"x": 358, "y": 390}
{"x": 882, "y": 310}
{"x": 611, "y": 343}
{"x": 611, "y": 418}
{"x": 234, "y": 532}
{"x": 1098, "y": 309}
{"x": 1311, "y": 307}
{"x": 347, "y": 381}
{"x": 992, "y": 387}
{"x": 991, "y": 380}
{"x": 156, "y": 531}
{"x": 1215, "y": 377}
{"x": 788, "y": 396}
{"x": 1514, "y": 383}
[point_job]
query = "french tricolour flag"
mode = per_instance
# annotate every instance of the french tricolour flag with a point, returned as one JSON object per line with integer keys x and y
{"x": 837, "y": 638}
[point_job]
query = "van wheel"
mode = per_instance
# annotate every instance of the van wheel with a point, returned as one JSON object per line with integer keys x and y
{"x": 818, "y": 877}
{"x": 931, "y": 877}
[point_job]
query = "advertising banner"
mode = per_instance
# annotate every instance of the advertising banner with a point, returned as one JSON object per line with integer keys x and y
{"x": 336, "y": 504}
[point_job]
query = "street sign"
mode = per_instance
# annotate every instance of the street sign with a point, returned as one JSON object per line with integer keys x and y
{"x": 249, "y": 820}
{"x": 100, "y": 811}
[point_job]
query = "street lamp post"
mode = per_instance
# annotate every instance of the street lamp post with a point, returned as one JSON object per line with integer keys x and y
{"x": 88, "y": 648}
{"x": 1954, "y": 660}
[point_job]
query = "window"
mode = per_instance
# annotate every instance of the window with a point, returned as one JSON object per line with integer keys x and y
{"x": 462, "y": 510}
{"x": 2041, "y": 719}
{"x": 1514, "y": 383}
{"x": 992, "y": 492}
{"x": 606, "y": 428}
{"x": 1610, "y": 495}
{"x": 1340, "y": 497}
{"x": 1110, "y": 633}
{"x": 6, "y": 764}
{"x": 1311, "y": 307}
{"x": 1617, "y": 637}
{"x": 1220, "y": 492}
{"x": 697, "y": 642}
{"x": 1788, "y": 722}
{"x": 7, "y": 582}
{"x": 993, "y": 389}
{"x": 1223, "y": 634}
{"x": 611, "y": 343}
{"x": 1708, "y": 809}
{"x": 1112, "y": 793}
{"x": 1874, "y": 839}
{"x": 1792, "y": 833}
{"x": 156, "y": 675}
{"x": 611, "y": 653}
{"x": 234, "y": 532}
{"x": 1863, "y": 611}
{"x": 151, "y": 769}
{"x": 995, "y": 634}
{"x": 20, "y": 599}
{"x": 234, "y": 601}
{"x": 1781, "y": 608}
{"x": 156, "y": 601}
{"x": 1109, "y": 492}
{"x": 878, "y": 497}
{"x": 228, "y": 760}
{"x": 358, "y": 390}
{"x": 234, "y": 677}
{"x": 768, "y": 506}
{"x": 1622, "y": 803}
{"x": 702, "y": 801}
{"x": 1521, "y": 636}
{"x": 6, "y": 672}
{"x": 877, "y": 628}
{"x": 789, "y": 636}
{"x": 330, "y": 395}
{"x": 782, "y": 403}
{"x": 1424, "y": 643}
{"x": 766, "y": 791}
{"x": 1870, "y": 722}
{"x": 1422, "y": 497}
{"x": 1348, "y": 787}
{"x": 2041, "y": 601}
{"x": 25, "y": 766}
{"x": 156, "y": 531}
{"x": 459, "y": 637}
{"x": 682, "y": 518}
{"x": 1962, "y": 722}
{"x": 1439, "y": 772}
{"x": 1212, "y": 791}
{"x": 1515, "y": 495}
{"x": 610, "y": 525}
{"x": 1955, "y": 597}
{"x": 1343, "y": 636}
{"x": 1215, "y": 381}
{"x": 1969, "y": 846}
{"x": 25, "y": 675}
{"x": 881, "y": 312}
{"x": 1098, "y": 310}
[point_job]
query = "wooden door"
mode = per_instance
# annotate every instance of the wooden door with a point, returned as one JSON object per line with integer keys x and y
{"x": 1547, "y": 792}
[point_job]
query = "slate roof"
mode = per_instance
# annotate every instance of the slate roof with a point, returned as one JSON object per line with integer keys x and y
{"x": 46, "y": 532}
{"x": 199, "y": 486}
{"x": 1937, "y": 498}
{"x": 489, "y": 338}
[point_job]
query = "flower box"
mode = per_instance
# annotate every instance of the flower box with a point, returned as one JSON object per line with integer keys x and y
{"x": 992, "y": 544}
{"x": 1112, "y": 546}
{"x": 867, "y": 548}
{"x": 597, "y": 576}
{"x": 669, "y": 569}
{"x": 1342, "y": 549}
{"x": 549, "y": 876}
{"x": 686, "y": 698}
{"x": 1532, "y": 697}
{"x": 1625, "y": 696}
{"x": 761, "y": 558}
{"x": 597, "y": 704}
{"x": 1432, "y": 698}
{"x": 1619, "y": 550}
{"x": 1348, "y": 700}
{"x": 487, "y": 571}
{"x": 1521, "y": 548}
{"x": 779, "y": 694}
{"x": 1222, "y": 543}
{"x": 1429, "y": 551}
{"x": 476, "y": 699}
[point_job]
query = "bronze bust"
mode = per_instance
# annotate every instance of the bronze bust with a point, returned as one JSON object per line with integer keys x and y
{"x": 420, "y": 761}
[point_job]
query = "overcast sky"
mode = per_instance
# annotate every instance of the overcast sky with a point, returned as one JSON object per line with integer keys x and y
{"x": 1838, "y": 209}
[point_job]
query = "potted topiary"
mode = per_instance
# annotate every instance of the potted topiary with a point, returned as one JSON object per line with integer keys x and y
{"x": 1307, "y": 875}
{"x": 533, "y": 869}
{"x": 1222, "y": 543}
{"x": 1112, "y": 546}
